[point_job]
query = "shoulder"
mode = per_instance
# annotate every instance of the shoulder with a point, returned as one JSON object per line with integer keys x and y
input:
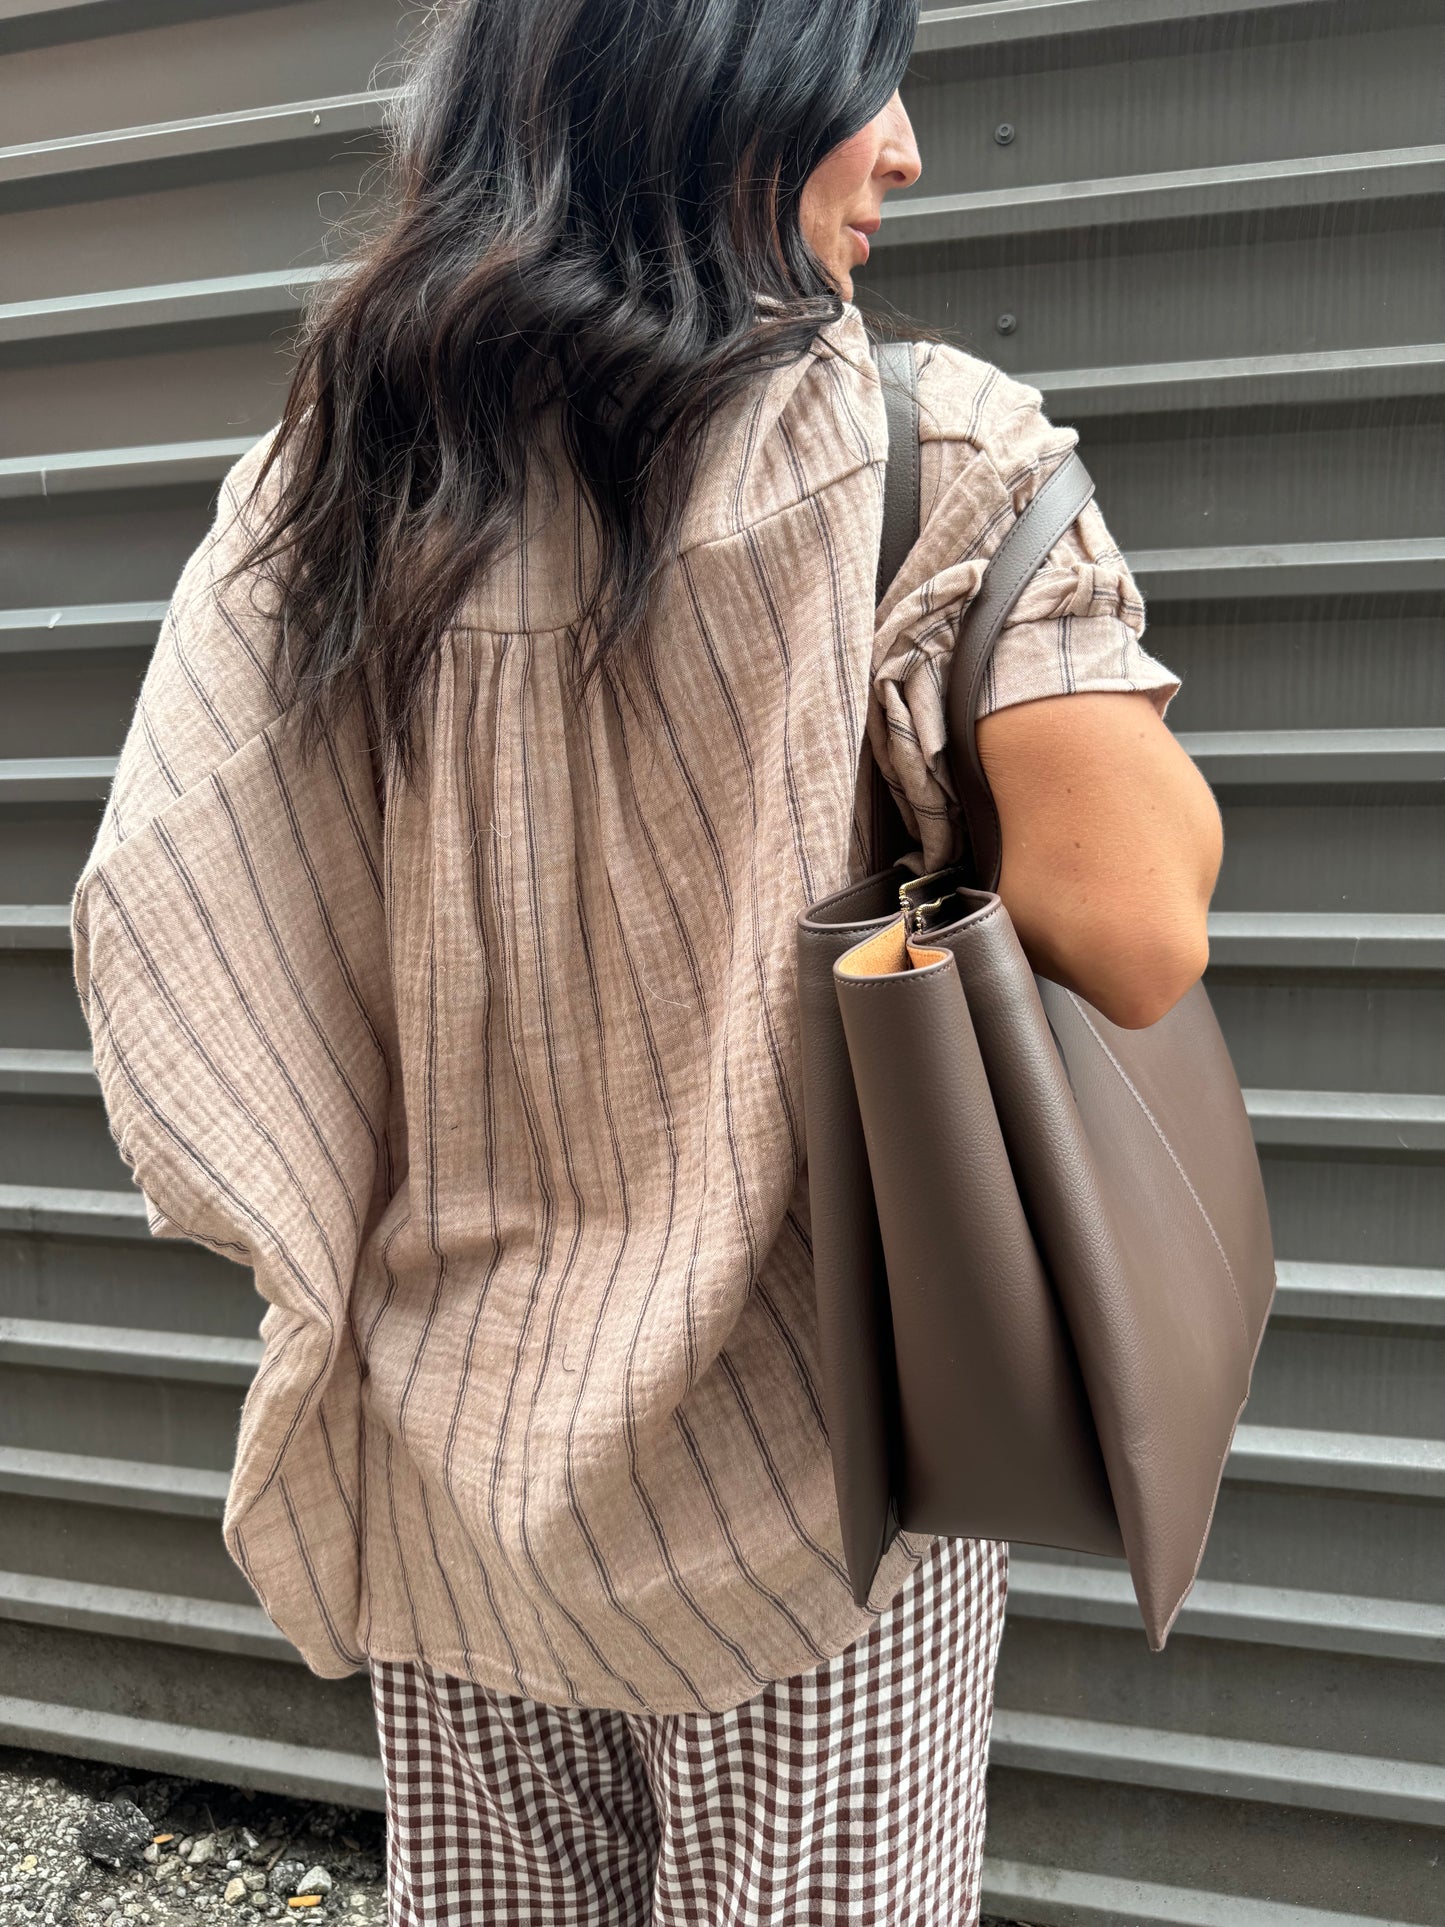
{"x": 215, "y": 655}
{"x": 963, "y": 398}
{"x": 806, "y": 426}
{"x": 218, "y": 610}
{"x": 209, "y": 687}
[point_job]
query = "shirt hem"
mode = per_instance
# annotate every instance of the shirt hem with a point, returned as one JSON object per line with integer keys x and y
{"x": 548, "y": 1690}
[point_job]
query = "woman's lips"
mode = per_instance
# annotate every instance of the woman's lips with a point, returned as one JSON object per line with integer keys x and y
{"x": 862, "y": 239}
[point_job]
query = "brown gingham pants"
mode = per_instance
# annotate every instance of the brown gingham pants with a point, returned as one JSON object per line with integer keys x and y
{"x": 852, "y": 1793}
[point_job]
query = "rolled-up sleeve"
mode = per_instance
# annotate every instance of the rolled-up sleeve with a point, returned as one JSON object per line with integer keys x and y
{"x": 986, "y": 448}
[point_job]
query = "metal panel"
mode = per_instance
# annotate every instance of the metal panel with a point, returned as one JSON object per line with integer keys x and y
{"x": 163, "y": 203}
{"x": 1212, "y": 240}
{"x": 1211, "y": 236}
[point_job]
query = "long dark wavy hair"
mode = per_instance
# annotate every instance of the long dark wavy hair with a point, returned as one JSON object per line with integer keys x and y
{"x": 586, "y": 198}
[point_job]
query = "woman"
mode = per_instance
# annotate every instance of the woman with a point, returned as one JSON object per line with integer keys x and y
{"x": 437, "y": 949}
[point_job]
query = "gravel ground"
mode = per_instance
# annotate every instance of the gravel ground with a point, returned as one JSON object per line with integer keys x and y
{"x": 83, "y": 1845}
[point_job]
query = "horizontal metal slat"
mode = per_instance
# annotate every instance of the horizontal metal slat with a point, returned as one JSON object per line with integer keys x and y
{"x": 59, "y": 1211}
{"x": 1350, "y": 1295}
{"x": 1409, "y": 565}
{"x": 1302, "y": 939}
{"x": 34, "y": 926}
{"x": 1240, "y": 381}
{"x": 53, "y": 1127}
{"x": 1347, "y": 1120}
{"x": 1196, "y": 309}
{"x": 1190, "y": 193}
{"x": 56, "y": 779}
{"x": 940, "y": 27}
{"x": 95, "y": 625}
{"x": 98, "y": 15}
{"x": 43, "y": 9}
{"x": 1328, "y": 376}
{"x": 313, "y": 1773}
{"x": 47, "y": 1073}
{"x": 1277, "y": 571}
{"x": 58, "y": 1345}
{"x": 199, "y": 137}
{"x": 100, "y": 470}
{"x": 177, "y": 304}
{"x": 1242, "y": 938}
{"x": 1264, "y": 1615}
{"x": 1375, "y": 852}
{"x": 1289, "y": 1776}
{"x": 1203, "y": 93}
{"x": 164, "y": 1618}
{"x": 1342, "y": 1461}
{"x": 135, "y": 1484}
{"x": 1364, "y": 1295}
{"x": 1313, "y": 756}
{"x": 1284, "y": 940}
{"x": 183, "y": 1410}
{"x": 1229, "y": 758}
{"x": 1045, "y": 1894}
{"x": 1012, "y": 22}
{"x": 1185, "y": 193}
{"x": 39, "y": 23}
{"x": 1292, "y": 1119}
{"x": 34, "y": 19}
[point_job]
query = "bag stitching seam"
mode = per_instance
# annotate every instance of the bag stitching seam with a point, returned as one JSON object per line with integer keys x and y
{"x": 1130, "y": 1086}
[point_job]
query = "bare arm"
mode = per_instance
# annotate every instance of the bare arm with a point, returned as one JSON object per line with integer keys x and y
{"x": 1111, "y": 847}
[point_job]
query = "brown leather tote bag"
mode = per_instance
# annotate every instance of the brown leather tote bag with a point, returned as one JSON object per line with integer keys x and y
{"x": 1041, "y": 1246}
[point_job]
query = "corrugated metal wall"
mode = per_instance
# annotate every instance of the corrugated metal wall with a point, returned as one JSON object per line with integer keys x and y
{"x": 1210, "y": 232}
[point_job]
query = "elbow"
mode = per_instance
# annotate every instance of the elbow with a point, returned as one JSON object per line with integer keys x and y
{"x": 1137, "y": 963}
{"x": 1132, "y": 937}
{"x": 1137, "y": 976}
{"x": 1136, "y": 1005}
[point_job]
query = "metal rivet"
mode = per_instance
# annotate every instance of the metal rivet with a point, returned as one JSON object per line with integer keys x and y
{"x": 1006, "y": 323}
{"x": 1004, "y": 132}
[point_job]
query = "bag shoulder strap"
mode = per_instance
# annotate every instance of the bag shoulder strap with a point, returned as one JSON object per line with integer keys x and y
{"x": 898, "y": 375}
{"x": 1050, "y": 513}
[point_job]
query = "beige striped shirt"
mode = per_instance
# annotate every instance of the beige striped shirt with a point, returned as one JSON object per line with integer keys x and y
{"x": 496, "y": 1084}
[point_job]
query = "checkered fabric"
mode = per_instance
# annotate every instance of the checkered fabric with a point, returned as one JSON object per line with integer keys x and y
{"x": 851, "y": 1792}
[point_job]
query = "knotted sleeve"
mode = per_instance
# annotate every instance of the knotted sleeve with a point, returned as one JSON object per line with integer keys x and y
{"x": 986, "y": 447}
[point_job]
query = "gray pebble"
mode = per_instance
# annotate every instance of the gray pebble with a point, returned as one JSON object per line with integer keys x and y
{"x": 116, "y": 1833}
{"x": 285, "y": 1874}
